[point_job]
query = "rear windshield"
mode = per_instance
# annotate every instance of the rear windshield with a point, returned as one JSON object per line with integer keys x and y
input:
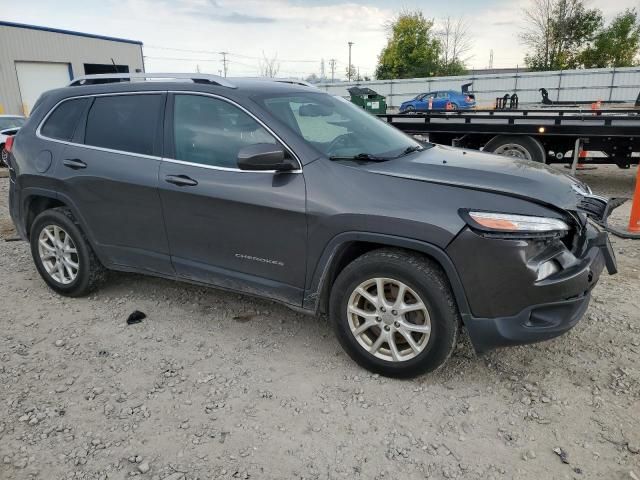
{"x": 11, "y": 122}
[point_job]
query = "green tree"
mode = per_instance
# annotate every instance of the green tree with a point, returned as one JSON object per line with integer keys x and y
{"x": 617, "y": 45}
{"x": 557, "y": 31}
{"x": 412, "y": 49}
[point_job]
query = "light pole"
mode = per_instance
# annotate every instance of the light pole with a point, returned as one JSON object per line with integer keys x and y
{"x": 349, "y": 66}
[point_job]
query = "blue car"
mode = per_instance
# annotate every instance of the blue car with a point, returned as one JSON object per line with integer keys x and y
{"x": 439, "y": 101}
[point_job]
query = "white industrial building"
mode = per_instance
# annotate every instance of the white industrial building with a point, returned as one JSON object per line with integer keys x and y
{"x": 35, "y": 59}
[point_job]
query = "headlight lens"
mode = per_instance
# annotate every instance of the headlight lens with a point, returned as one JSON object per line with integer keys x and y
{"x": 504, "y": 222}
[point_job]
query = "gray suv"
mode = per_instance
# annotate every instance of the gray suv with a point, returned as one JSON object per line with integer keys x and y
{"x": 282, "y": 191}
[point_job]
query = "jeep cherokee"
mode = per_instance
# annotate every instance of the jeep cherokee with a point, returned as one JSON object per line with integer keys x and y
{"x": 279, "y": 190}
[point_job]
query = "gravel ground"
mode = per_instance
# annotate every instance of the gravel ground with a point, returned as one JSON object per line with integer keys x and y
{"x": 217, "y": 385}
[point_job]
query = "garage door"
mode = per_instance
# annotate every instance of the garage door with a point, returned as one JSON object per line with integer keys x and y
{"x": 37, "y": 77}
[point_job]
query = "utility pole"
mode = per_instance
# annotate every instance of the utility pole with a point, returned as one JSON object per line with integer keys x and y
{"x": 224, "y": 62}
{"x": 491, "y": 60}
{"x": 349, "y": 66}
{"x": 322, "y": 72}
{"x": 332, "y": 65}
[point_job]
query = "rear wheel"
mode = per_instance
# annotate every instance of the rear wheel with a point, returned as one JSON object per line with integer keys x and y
{"x": 62, "y": 254}
{"x": 522, "y": 147}
{"x": 394, "y": 314}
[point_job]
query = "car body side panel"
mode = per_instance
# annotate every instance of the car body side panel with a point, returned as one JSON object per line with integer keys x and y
{"x": 339, "y": 201}
{"x": 244, "y": 225}
{"x": 312, "y": 297}
{"x": 117, "y": 194}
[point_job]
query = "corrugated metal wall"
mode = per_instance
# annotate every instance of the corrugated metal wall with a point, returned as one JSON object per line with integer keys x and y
{"x": 24, "y": 44}
{"x": 622, "y": 84}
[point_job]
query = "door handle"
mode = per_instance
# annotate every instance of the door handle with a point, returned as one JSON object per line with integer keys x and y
{"x": 74, "y": 163}
{"x": 181, "y": 180}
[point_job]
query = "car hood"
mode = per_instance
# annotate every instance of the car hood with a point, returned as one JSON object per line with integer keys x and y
{"x": 483, "y": 171}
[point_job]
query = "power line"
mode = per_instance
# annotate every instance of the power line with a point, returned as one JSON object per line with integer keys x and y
{"x": 251, "y": 69}
{"x": 228, "y": 53}
{"x": 182, "y": 59}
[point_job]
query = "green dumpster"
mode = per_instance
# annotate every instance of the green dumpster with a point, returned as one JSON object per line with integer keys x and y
{"x": 368, "y": 99}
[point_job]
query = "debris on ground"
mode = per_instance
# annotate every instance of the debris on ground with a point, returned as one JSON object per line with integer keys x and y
{"x": 136, "y": 317}
{"x": 562, "y": 454}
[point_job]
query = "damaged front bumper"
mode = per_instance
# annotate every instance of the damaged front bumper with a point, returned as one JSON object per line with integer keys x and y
{"x": 511, "y": 302}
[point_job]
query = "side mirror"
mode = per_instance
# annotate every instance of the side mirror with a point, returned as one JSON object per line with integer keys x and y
{"x": 263, "y": 156}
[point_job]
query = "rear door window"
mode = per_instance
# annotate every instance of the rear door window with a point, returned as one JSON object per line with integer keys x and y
{"x": 62, "y": 123}
{"x": 128, "y": 123}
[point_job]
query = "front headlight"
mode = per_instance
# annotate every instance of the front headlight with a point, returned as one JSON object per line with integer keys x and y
{"x": 509, "y": 223}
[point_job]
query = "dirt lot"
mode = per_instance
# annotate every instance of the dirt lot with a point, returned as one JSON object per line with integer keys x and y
{"x": 216, "y": 385}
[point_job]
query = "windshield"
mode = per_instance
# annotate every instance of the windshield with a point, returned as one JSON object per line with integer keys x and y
{"x": 336, "y": 127}
{"x": 11, "y": 122}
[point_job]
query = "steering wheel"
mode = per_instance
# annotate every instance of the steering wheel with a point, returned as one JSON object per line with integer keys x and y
{"x": 341, "y": 141}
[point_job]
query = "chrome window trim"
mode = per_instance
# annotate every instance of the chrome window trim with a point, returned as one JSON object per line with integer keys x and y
{"x": 167, "y": 159}
{"x": 93, "y": 147}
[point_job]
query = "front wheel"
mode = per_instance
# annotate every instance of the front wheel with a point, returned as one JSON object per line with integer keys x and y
{"x": 394, "y": 313}
{"x": 62, "y": 254}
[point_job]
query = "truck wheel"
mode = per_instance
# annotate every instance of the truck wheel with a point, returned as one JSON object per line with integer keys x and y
{"x": 62, "y": 255}
{"x": 524, "y": 147}
{"x": 394, "y": 313}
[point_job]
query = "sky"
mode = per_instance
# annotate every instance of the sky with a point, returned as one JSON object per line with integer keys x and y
{"x": 188, "y": 35}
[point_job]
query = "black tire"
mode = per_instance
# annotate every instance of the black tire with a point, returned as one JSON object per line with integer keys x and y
{"x": 531, "y": 145}
{"x": 410, "y": 110}
{"x": 454, "y": 107}
{"x": 90, "y": 272}
{"x": 424, "y": 277}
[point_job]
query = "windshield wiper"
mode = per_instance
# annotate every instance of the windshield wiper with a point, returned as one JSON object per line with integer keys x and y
{"x": 408, "y": 150}
{"x": 367, "y": 157}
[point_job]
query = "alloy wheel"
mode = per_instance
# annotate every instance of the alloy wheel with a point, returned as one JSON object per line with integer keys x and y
{"x": 58, "y": 254}
{"x": 389, "y": 319}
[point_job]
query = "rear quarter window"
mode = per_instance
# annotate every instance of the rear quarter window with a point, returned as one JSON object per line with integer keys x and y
{"x": 127, "y": 123}
{"x": 62, "y": 122}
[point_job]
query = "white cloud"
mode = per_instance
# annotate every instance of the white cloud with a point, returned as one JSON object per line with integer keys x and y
{"x": 293, "y": 29}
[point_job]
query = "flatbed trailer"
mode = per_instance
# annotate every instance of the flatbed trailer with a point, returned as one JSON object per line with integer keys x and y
{"x": 543, "y": 135}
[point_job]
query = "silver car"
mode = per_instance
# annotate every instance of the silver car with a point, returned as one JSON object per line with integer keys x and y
{"x": 9, "y": 125}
